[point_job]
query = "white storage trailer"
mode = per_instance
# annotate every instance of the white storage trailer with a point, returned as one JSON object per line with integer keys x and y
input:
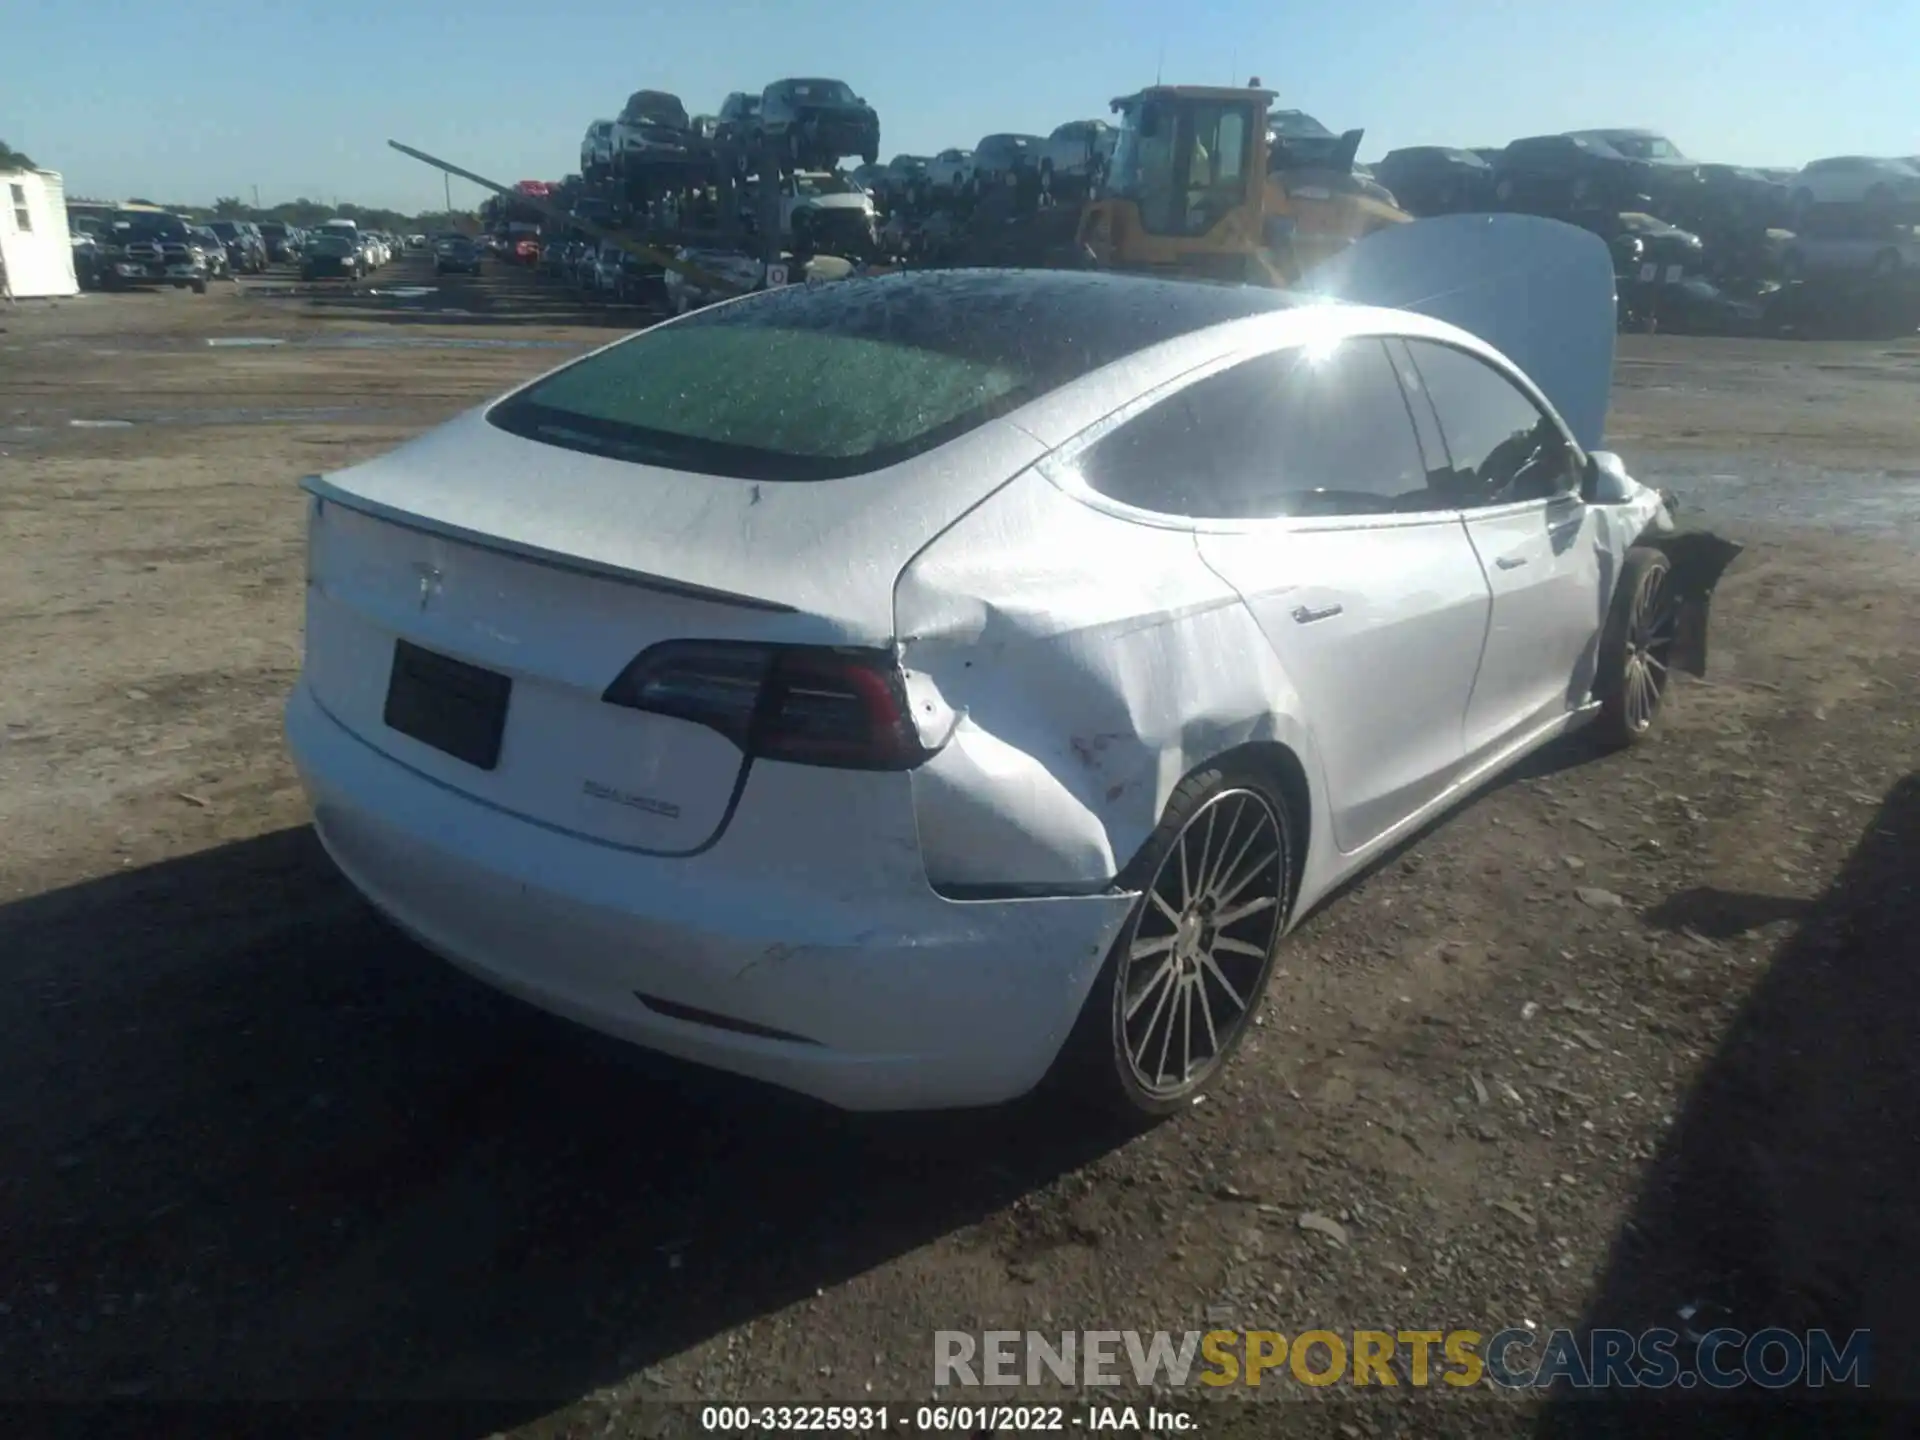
{"x": 35, "y": 247}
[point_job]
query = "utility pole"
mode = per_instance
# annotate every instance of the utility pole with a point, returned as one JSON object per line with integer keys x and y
{"x": 447, "y": 181}
{"x": 256, "y": 197}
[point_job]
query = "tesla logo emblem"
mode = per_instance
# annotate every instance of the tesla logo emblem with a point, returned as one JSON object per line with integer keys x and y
{"x": 430, "y": 578}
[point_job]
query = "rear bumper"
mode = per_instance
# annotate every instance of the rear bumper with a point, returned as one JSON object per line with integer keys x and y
{"x": 895, "y": 1001}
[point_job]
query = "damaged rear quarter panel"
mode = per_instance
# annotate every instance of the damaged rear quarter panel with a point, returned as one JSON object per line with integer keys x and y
{"x": 1078, "y": 666}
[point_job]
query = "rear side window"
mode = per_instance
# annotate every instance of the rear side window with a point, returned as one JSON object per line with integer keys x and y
{"x": 1504, "y": 448}
{"x": 1302, "y": 432}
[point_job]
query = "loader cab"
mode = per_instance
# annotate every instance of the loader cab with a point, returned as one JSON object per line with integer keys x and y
{"x": 1189, "y": 157}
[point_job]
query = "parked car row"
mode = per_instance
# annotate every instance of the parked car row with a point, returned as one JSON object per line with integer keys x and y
{"x": 1070, "y": 160}
{"x": 142, "y": 244}
{"x": 814, "y": 123}
{"x": 602, "y": 269}
{"x": 811, "y": 123}
{"x": 1637, "y": 170}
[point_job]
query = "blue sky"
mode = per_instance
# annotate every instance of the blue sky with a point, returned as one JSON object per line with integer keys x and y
{"x": 223, "y": 96}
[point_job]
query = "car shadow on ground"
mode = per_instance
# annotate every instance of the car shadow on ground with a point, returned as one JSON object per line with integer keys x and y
{"x": 263, "y": 1147}
{"x": 1785, "y": 1194}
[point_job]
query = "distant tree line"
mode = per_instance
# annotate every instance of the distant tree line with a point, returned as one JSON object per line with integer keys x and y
{"x": 12, "y": 159}
{"x": 305, "y": 213}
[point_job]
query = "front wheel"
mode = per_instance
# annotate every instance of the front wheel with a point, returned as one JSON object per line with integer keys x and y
{"x": 1189, "y": 969}
{"x": 1636, "y": 648}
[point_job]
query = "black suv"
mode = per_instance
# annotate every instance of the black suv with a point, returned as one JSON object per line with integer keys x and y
{"x": 246, "y": 250}
{"x": 817, "y": 123}
{"x": 282, "y": 241}
{"x": 150, "y": 247}
{"x": 998, "y": 160}
{"x": 1595, "y": 170}
{"x": 1435, "y": 180}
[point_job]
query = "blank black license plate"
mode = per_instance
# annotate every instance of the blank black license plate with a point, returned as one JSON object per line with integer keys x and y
{"x": 448, "y": 704}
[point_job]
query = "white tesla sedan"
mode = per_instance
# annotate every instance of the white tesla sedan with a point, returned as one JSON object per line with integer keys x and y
{"x": 902, "y": 689}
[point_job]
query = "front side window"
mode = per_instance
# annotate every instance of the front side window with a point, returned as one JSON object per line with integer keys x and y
{"x": 1502, "y": 446}
{"x": 1312, "y": 431}
{"x": 22, "y": 216}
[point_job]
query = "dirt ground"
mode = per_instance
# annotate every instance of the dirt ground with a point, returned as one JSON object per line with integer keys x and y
{"x": 1624, "y": 1035}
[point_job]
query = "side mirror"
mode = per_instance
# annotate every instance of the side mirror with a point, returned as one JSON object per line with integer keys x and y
{"x": 1605, "y": 480}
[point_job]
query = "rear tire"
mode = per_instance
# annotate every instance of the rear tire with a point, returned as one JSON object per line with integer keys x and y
{"x": 1189, "y": 969}
{"x": 1636, "y": 649}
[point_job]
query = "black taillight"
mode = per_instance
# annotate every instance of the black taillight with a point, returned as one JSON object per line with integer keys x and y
{"x": 806, "y": 705}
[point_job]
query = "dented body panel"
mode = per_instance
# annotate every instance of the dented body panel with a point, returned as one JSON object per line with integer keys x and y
{"x": 1080, "y": 702}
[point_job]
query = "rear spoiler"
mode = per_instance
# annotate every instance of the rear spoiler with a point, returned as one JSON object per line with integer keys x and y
{"x": 326, "y": 492}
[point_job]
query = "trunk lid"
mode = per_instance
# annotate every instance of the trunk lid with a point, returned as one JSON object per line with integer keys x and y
{"x": 472, "y": 595}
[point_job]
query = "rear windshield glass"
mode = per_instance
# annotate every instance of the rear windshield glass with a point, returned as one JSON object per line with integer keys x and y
{"x": 821, "y": 381}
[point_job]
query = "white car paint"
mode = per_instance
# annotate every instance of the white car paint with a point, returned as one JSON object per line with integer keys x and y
{"x": 1850, "y": 179}
{"x": 822, "y": 190}
{"x": 950, "y": 170}
{"x": 922, "y": 936}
